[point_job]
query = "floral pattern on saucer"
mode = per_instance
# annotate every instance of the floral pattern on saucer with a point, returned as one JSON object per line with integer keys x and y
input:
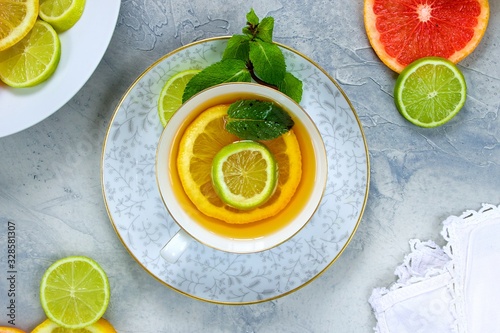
{"x": 144, "y": 225}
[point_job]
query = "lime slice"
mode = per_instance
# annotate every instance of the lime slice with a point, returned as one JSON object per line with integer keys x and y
{"x": 244, "y": 174}
{"x": 171, "y": 94}
{"x": 33, "y": 60}
{"x": 74, "y": 292}
{"x": 61, "y": 14}
{"x": 430, "y": 91}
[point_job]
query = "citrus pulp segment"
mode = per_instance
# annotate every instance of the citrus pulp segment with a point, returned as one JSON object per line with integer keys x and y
{"x": 61, "y": 14}
{"x": 100, "y": 326}
{"x": 32, "y": 60}
{"x": 17, "y": 17}
{"x": 244, "y": 174}
{"x": 171, "y": 94}
{"x": 402, "y": 31}
{"x": 203, "y": 139}
{"x": 430, "y": 91}
{"x": 74, "y": 292}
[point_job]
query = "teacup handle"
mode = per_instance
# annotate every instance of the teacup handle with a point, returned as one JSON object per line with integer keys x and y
{"x": 172, "y": 251}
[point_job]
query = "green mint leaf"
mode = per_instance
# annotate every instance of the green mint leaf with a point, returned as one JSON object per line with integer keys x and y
{"x": 248, "y": 32}
{"x": 238, "y": 47}
{"x": 252, "y": 18}
{"x": 229, "y": 70}
{"x": 268, "y": 61}
{"x": 265, "y": 29}
{"x": 257, "y": 120}
{"x": 292, "y": 87}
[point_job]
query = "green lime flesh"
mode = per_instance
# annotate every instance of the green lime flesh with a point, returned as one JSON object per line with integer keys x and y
{"x": 430, "y": 91}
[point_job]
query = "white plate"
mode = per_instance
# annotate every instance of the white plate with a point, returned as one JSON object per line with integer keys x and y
{"x": 82, "y": 48}
{"x": 144, "y": 225}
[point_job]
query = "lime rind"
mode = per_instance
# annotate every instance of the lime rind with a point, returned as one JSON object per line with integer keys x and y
{"x": 430, "y": 91}
{"x": 262, "y": 193}
{"x": 168, "y": 103}
{"x": 58, "y": 282}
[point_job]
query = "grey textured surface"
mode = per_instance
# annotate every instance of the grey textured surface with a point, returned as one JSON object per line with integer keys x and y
{"x": 50, "y": 173}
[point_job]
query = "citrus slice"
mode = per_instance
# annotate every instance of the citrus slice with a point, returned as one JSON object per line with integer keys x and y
{"x": 16, "y": 20}
{"x": 203, "y": 139}
{"x": 430, "y": 91}
{"x": 171, "y": 94}
{"x": 61, "y": 14}
{"x": 32, "y": 60}
{"x": 5, "y": 329}
{"x": 402, "y": 31}
{"x": 100, "y": 326}
{"x": 244, "y": 174}
{"x": 74, "y": 292}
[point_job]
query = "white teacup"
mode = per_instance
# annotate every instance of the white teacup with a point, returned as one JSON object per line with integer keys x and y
{"x": 177, "y": 206}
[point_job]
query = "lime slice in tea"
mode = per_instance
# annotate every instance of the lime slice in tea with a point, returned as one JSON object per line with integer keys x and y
{"x": 32, "y": 60}
{"x": 244, "y": 174}
{"x": 74, "y": 292}
{"x": 171, "y": 94}
{"x": 430, "y": 91}
{"x": 61, "y": 14}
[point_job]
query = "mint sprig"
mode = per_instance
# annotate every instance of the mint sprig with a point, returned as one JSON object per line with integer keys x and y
{"x": 257, "y": 120}
{"x": 247, "y": 56}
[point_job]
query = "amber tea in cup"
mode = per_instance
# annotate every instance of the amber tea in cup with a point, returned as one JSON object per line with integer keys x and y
{"x": 242, "y": 237}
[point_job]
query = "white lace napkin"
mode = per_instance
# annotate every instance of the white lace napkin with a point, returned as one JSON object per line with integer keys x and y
{"x": 451, "y": 289}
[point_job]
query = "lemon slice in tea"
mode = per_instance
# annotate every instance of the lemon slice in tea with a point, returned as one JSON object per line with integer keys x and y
{"x": 32, "y": 60}
{"x": 74, "y": 292}
{"x": 171, "y": 94}
{"x": 61, "y": 14}
{"x": 203, "y": 139}
{"x": 430, "y": 91}
{"x": 244, "y": 174}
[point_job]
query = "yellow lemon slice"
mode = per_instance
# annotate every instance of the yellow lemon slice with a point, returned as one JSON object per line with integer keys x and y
{"x": 16, "y": 20}
{"x": 203, "y": 139}
{"x": 100, "y": 326}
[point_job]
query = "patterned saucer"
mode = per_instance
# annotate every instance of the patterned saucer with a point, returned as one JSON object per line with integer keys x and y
{"x": 144, "y": 226}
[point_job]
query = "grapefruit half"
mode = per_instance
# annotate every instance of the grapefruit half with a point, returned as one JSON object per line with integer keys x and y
{"x": 401, "y": 31}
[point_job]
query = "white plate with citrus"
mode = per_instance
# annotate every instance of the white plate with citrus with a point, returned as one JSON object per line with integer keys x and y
{"x": 144, "y": 225}
{"x": 82, "y": 48}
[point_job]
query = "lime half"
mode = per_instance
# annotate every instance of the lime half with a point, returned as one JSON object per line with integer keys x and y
{"x": 61, "y": 14}
{"x": 171, "y": 94}
{"x": 74, "y": 292}
{"x": 244, "y": 174}
{"x": 430, "y": 91}
{"x": 32, "y": 60}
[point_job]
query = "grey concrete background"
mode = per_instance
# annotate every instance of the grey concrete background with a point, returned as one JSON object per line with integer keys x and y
{"x": 50, "y": 173}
